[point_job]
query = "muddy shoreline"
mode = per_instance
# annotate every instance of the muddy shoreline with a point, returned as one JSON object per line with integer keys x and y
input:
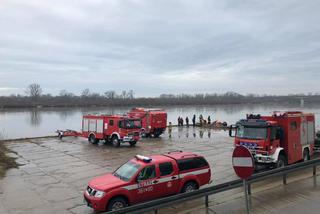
{"x": 6, "y": 161}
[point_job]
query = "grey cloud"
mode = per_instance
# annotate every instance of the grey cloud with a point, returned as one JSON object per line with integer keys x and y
{"x": 158, "y": 47}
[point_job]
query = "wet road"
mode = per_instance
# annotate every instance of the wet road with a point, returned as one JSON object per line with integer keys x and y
{"x": 55, "y": 172}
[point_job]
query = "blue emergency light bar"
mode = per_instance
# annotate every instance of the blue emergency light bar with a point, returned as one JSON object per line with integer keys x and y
{"x": 143, "y": 158}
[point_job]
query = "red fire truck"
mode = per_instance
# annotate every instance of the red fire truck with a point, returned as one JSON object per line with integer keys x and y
{"x": 277, "y": 140}
{"x": 116, "y": 129}
{"x": 154, "y": 121}
{"x": 147, "y": 178}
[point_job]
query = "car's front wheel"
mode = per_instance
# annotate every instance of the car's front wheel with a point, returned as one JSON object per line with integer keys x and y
{"x": 117, "y": 203}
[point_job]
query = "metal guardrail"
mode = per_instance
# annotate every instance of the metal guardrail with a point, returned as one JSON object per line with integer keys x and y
{"x": 205, "y": 192}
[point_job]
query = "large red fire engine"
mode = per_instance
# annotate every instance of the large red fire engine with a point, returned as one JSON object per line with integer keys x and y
{"x": 116, "y": 129}
{"x": 154, "y": 121}
{"x": 146, "y": 178}
{"x": 276, "y": 140}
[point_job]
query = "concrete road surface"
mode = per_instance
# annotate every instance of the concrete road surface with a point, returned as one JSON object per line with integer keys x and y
{"x": 54, "y": 173}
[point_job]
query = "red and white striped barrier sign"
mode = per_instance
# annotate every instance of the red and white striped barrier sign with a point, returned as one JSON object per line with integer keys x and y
{"x": 242, "y": 162}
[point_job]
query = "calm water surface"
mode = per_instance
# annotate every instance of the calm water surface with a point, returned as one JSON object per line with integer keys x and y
{"x": 42, "y": 122}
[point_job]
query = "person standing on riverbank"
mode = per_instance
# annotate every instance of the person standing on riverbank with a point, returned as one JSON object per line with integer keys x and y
{"x": 194, "y": 120}
{"x": 209, "y": 119}
{"x": 201, "y": 119}
{"x": 170, "y": 129}
{"x": 187, "y": 121}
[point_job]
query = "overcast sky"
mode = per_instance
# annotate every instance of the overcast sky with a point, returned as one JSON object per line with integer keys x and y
{"x": 159, "y": 46}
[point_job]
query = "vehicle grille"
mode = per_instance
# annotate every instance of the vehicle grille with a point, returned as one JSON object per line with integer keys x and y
{"x": 91, "y": 191}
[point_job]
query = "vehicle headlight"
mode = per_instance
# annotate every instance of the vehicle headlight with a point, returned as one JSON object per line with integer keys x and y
{"x": 99, "y": 194}
{"x": 149, "y": 127}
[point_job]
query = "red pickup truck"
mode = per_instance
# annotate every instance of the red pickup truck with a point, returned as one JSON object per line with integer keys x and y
{"x": 146, "y": 178}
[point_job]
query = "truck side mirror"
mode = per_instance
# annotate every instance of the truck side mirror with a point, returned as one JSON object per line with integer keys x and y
{"x": 139, "y": 178}
{"x": 231, "y": 127}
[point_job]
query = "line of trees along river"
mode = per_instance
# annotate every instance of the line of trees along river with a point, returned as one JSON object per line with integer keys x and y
{"x": 36, "y": 98}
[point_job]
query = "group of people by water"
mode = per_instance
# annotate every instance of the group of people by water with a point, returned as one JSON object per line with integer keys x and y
{"x": 202, "y": 121}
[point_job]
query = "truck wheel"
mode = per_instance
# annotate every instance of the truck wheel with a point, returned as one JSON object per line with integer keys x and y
{"x": 115, "y": 141}
{"x": 92, "y": 139}
{"x": 117, "y": 204}
{"x": 306, "y": 155}
{"x": 143, "y": 133}
{"x": 282, "y": 161}
{"x": 133, "y": 143}
{"x": 157, "y": 133}
{"x": 60, "y": 135}
{"x": 189, "y": 187}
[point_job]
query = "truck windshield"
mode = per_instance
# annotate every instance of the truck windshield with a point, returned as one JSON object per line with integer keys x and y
{"x": 127, "y": 170}
{"x": 130, "y": 124}
{"x": 256, "y": 133}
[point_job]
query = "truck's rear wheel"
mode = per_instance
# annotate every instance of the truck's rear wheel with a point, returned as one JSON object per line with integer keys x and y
{"x": 133, "y": 143}
{"x": 157, "y": 133}
{"x": 115, "y": 141}
{"x": 282, "y": 161}
{"x": 306, "y": 155}
{"x": 117, "y": 203}
{"x": 92, "y": 139}
{"x": 189, "y": 187}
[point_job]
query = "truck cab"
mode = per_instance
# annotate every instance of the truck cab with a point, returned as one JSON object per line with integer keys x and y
{"x": 276, "y": 140}
{"x": 146, "y": 178}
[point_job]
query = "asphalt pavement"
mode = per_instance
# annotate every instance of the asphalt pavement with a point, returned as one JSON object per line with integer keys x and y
{"x": 54, "y": 173}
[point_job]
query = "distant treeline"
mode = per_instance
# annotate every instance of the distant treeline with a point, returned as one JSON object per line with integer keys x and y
{"x": 126, "y": 98}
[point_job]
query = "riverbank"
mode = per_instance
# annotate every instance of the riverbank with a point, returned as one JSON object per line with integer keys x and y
{"x": 173, "y": 100}
{"x": 6, "y": 162}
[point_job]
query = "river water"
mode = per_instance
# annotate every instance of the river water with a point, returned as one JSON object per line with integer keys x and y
{"x": 24, "y": 123}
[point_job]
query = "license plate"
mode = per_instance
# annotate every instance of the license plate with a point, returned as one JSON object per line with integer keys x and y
{"x": 127, "y": 138}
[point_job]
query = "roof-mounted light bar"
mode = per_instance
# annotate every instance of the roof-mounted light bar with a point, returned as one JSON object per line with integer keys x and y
{"x": 143, "y": 158}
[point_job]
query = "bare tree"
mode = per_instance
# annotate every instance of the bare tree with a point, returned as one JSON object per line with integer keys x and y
{"x": 65, "y": 93}
{"x": 85, "y": 93}
{"x": 130, "y": 94}
{"x": 94, "y": 94}
{"x": 124, "y": 94}
{"x": 34, "y": 90}
{"x": 110, "y": 94}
